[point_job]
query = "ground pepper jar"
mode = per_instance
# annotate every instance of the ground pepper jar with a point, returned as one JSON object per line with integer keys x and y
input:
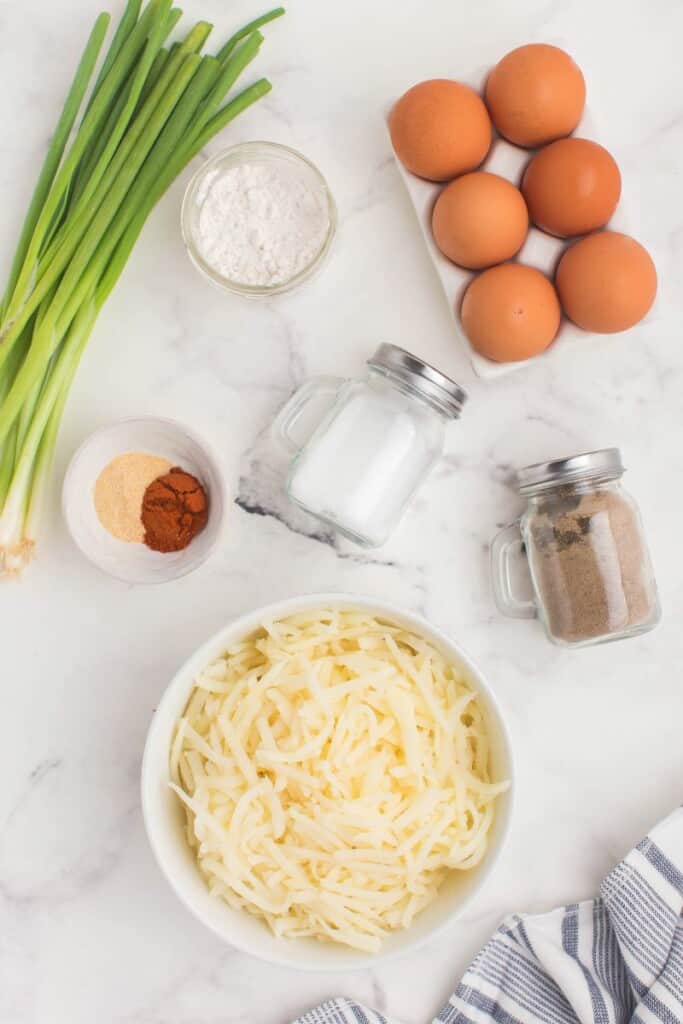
{"x": 586, "y": 550}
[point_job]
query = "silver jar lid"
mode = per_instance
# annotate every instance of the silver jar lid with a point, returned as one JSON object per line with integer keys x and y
{"x": 429, "y": 382}
{"x": 602, "y": 464}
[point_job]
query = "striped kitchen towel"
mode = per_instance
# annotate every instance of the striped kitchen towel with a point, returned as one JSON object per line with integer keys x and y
{"x": 614, "y": 960}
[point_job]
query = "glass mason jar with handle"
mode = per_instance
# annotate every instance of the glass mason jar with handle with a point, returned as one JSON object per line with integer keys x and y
{"x": 374, "y": 445}
{"x": 584, "y": 543}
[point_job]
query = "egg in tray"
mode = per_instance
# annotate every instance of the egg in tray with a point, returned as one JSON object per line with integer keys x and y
{"x": 520, "y": 208}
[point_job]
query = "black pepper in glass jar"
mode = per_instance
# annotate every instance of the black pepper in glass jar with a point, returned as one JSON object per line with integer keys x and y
{"x": 586, "y": 549}
{"x": 589, "y": 564}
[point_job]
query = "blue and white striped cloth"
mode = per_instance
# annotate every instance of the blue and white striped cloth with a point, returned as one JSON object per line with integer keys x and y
{"x": 614, "y": 960}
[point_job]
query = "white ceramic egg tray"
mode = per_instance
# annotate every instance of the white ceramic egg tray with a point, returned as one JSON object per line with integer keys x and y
{"x": 539, "y": 250}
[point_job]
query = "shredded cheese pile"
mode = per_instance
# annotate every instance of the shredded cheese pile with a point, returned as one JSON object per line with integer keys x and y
{"x": 334, "y": 767}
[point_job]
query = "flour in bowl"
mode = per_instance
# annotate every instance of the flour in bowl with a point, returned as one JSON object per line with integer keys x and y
{"x": 262, "y": 222}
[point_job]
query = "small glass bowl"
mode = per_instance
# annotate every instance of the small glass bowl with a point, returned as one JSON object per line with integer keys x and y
{"x": 247, "y": 152}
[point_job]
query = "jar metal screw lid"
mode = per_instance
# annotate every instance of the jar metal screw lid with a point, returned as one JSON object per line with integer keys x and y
{"x": 604, "y": 463}
{"x": 433, "y": 385}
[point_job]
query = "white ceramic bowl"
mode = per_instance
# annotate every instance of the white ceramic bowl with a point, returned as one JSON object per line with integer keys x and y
{"x": 136, "y": 563}
{"x": 165, "y": 819}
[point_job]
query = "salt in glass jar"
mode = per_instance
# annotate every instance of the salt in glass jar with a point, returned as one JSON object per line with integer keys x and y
{"x": 375, "y": 444}
{"x": 584, "y": 543}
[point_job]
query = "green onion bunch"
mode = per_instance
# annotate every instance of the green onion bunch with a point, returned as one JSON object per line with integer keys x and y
{"x": 152, "y": 108}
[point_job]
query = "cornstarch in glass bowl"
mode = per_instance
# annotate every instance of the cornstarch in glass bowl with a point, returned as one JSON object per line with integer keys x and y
{"x": 258, "y": 218}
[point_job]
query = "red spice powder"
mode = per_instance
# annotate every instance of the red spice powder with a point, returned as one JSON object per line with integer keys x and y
{"x": 175, "y": 508}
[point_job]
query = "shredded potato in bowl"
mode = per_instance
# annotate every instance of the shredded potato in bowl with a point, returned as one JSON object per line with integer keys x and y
{"x": 334, "y": 768}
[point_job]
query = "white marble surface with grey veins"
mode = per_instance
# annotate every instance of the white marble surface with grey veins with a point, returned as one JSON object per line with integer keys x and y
{"x": 89, "y": 930}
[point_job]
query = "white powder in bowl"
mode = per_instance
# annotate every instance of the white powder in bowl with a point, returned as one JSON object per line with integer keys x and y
{"x": 261, "y": 222}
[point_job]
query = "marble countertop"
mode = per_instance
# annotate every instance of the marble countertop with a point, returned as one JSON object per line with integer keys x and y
{"x": 89, "y": 930}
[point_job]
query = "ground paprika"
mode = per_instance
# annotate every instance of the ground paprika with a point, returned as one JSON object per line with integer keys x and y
{"x": 175, "y": 508}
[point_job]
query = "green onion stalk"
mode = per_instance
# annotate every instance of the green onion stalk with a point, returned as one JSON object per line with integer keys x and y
{"x": 150, "y": 110}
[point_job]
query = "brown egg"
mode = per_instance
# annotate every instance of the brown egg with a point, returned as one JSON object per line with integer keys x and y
{"x": 440, "y": 129}
{"x": 510, "y": 312}
{"x": 607, "y": 282}
{"x": 480, "y": 219}
{"x": 535, "y": 94}
{"x": 571, "y": 187}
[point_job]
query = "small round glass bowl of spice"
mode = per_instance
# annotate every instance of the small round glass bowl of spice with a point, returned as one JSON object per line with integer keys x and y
{"x": 144, "y": 500}
{"x": 258, "y": 219}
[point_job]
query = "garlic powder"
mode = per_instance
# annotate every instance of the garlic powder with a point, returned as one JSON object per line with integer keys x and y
{"x": 120, "y": 489}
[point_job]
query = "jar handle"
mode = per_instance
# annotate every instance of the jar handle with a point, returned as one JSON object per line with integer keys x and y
{"x": 291, "y": 412}
{"x": 505, "y": 544}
